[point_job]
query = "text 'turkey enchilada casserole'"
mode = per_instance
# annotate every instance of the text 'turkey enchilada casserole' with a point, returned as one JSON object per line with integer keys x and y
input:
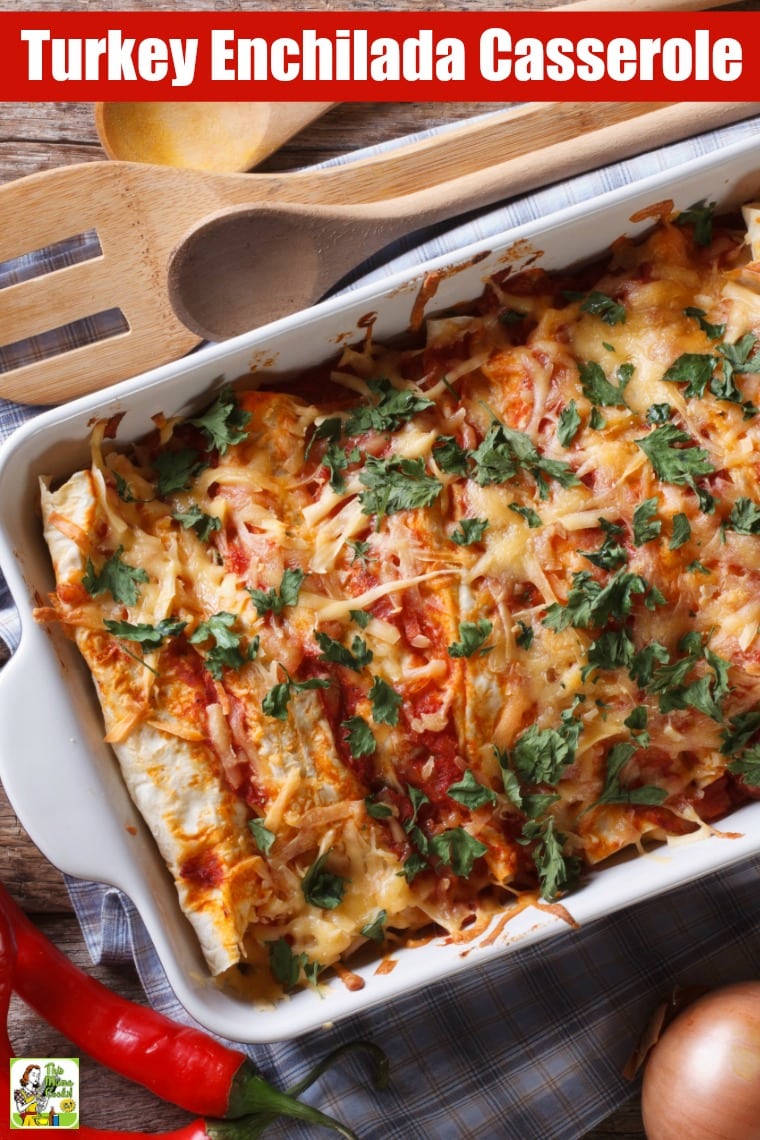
{"x": 418, "y": 637}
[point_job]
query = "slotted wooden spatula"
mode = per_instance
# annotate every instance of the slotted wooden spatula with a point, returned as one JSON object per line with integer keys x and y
{"x": 133, "y": 217}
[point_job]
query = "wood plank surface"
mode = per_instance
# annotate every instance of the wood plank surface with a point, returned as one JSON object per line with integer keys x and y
{"x": 39, "y": 136}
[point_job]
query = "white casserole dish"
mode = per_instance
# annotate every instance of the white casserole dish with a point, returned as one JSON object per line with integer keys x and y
{"x": 64, "y": 783}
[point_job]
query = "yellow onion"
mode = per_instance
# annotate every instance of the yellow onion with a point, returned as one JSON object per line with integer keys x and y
{"x": 702, "y": 1077}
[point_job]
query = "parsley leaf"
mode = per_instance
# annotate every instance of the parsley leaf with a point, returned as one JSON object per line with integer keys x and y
{"x": 375, "y": 930}
{"x": 540, "y": 755}
{"x": 176, "y": 469}
{"x": 286, "y": 966}
{"x": 396, "y": 485}
{"x": 226, "y": 651}
{"x": 392, "y": 407}
{"x": 457, "y": 849}
{"x": 695, "y": 369}
{"x": 469, "y": 531}
{"x": 262, "y": 836}
{"x": 600, "y": 305}
{"x": 614, "y": 792}
{"x": 681, "y": 531}
{"x": 150, "y": 635}
{"x": 646, "y": 526}
{"x": 557, "y": 873}
{"x": 671, "y": 462}
{"x": 747, "y": 766}
{"x": 356, "y": 657}
{"x": 471, "y": 792}
{"x": 275, "y": 702}
{"x": 524, "y": 639}
{"x": 700, "y": 216}
{"x": 223, "y": 422}
{"x": 714, "y": 332}
{"x": 286, "y": 594}
{"x": 386, "y": 702}
{"x": 472, "y": 636}
{"x": 504, "y": 451}
{"x": 450, "y": 456}
{"x": 568, "y": 424}
{"x": 599, "y": 390}
{"x": 532, "y": 518}
{"x": 589, "y": 604}
{"x": 195, "y": 519}
{"x": 359, "y": 737}
{"x": 611, "y": 555}
{"x": 322, "y": 888}
{"x": 115, "y": 577}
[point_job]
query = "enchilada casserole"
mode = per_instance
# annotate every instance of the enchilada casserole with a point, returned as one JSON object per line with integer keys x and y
{"x": 422, "y": 634}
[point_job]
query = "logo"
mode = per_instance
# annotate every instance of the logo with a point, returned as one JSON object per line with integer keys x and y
{"x": 44, "y": 1092}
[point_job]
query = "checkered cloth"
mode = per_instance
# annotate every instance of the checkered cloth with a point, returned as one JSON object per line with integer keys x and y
{"x": 532, "y": 1047}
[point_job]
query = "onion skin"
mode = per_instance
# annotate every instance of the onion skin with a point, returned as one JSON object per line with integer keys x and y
{"x": 702, "y": 1078}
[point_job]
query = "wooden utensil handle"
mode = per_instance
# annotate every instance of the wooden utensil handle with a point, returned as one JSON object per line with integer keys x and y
{"x": 634, "y": 6}
{"x": 545, "y": 164}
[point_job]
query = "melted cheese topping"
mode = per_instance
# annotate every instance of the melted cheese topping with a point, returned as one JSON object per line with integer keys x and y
{"x": 486, "y": 609}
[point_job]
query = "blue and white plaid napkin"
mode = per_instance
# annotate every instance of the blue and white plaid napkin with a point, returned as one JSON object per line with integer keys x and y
{"x": 531, "y": 1048}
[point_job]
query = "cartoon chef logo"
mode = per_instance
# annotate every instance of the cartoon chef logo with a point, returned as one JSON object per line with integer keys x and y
{"x": 44, "y": 1092}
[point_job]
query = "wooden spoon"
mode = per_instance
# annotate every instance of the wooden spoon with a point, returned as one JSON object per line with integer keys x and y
{"x": 245, "y": 266}
{"x": 219, "y": 137}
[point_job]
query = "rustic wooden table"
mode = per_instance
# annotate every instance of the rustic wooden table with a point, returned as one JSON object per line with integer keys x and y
{"x": 37, "y": 136}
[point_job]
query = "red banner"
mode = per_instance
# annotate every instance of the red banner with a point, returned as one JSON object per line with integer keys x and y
{"x": 356, "y": 56}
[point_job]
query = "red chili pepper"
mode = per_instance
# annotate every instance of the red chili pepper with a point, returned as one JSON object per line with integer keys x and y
{"x": 209, "y": 1079}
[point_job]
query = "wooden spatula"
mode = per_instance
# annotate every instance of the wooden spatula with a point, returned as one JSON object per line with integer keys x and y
{"x": 133, "y": 216}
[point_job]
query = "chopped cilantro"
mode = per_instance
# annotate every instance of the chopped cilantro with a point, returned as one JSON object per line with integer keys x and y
{"x": 745, "y": 517}
{"x": 195, "y": 519}
{"x": 672, "y": 462}
{"x": 360, "y": 549}
{"x": 396, "y": 485}
{"x": 361, "y": 617}
{"x": 377, "y": 810}
{"x": 450, "y": 456}
{"x": 601, "y": 391}
{"x": 591, "y": 605}
{"x": 568, "y": 424}
{"x": 286, "y": 966}
{"x": 176, "y": 469}
{"x": 275, "y": 702}
{"x": 223, "y": 422}
{"x": 150, "y": 635}
{"x": 681, "y": 531}
{"x": 275, "y": 601}
{"x": 557, "y": 873}
{"x": 505, "y": 451}
{"x": 471, "y": 792}
{"x": 356, "y": 657}
{"x": 611, "y": 555}
{"x": 747, "y": 766}
{"x": 262, "y": 836}
{"x": 457, "y": 849}
{"x": 469, "y": 531}
{"x": 600, "y": 305}
{"x": 386, "y": 702}
{"x": 540, "y": 755}
{"x": 615, "y": 792}
{"x": 359, "y": 737}
{"x": 694, "y": 369}
{"x": 472, "y": 637}
{"x": 375, "y": 930}
{"x": 700, "y": 216}
{"x": 532, "y": 518}
{"x": 320, "y": 887}
{"x": 391, "y": 408}
{"x": 714, "y": 332}
{"x": 226, "y": 651}
{"x": 659, "y": 413}
{"x": 115, "y": 577}
{"x": 646, "y": 525}
{"x": 524, "y": 639}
